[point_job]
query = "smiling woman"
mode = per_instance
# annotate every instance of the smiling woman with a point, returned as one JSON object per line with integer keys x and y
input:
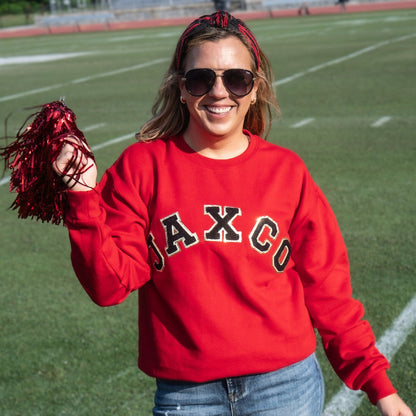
{"x": 233, "y": 247}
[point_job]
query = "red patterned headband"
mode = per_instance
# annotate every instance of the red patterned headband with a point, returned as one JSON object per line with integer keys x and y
{"x": 223, "y": 20}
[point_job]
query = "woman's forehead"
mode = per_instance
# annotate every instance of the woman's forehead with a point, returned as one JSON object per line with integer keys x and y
{"x": 221, "y": 54}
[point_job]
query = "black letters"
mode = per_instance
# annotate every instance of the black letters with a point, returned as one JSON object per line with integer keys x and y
{"x": 262, "y": 237}
{"x": 282, "y": 255}
{"x": 160, "y": 264}
{"x": 263, "y": 222}
{"x": 222, "y": 230}
{"x": 175, "y": 230}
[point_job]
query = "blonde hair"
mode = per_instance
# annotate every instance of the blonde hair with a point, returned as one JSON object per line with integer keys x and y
{"x": 171, "y": 117}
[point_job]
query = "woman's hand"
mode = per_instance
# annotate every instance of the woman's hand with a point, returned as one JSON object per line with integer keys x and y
{"x": 78, "y": 171}
{"x": 393, "y": 405}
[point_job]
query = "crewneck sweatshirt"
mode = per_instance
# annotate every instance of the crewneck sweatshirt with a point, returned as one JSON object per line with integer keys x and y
{"x": 237, "y": 261}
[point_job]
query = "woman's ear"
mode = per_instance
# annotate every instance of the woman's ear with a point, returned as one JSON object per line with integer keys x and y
{"x": 183, "y": 91}
{"x": 253, "y": 93}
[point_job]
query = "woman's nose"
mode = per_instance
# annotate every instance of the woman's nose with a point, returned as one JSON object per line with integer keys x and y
{"x": 218, "y": 89}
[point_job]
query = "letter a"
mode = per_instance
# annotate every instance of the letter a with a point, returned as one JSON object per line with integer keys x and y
{"x": 176, "y": 231}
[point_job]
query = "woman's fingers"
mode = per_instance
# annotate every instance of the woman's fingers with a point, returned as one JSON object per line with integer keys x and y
{"x": 77, "y": 169}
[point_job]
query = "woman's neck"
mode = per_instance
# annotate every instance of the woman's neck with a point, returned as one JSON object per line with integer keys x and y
{"x": 217, "y": 147}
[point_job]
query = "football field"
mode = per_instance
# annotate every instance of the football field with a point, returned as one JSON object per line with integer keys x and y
{"x": 346, "y": 85}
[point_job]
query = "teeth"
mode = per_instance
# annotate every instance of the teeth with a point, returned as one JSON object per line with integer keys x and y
{"x": 219, "y": 110}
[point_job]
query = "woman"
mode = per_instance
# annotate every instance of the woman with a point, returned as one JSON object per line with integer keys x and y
{"x": 234, "y": 249}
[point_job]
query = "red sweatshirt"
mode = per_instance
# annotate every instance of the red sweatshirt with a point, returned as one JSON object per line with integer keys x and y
{"x": 236, "y": 262}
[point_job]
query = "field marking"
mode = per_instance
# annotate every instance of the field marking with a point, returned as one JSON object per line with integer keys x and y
{"x": 85, "y": 79}
{"x": 381, "y": 121}
{"x": 113, "y": 141}
{"x": 137, "y": 37}
{"x": 121, "y": 374}
{"x": 344, "y": 58}
{"x": 3, "y": 181}
{"x": 31, "y": 59}
{"x": 31, "y": 92}
{"x": 346, "y": 401}
{"x": 319, "y": 21}
{"x": 303, "y": 122}
{"x": 118, "y": 71}
{"x": 93, "y": 127}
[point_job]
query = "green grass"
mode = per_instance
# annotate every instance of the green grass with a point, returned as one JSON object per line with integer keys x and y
{"x": 61, "y": 354}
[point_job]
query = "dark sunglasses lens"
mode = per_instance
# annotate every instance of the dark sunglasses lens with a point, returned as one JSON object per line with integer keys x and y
{"x": 199, "y": 81}
{"x": 238, "y": 81}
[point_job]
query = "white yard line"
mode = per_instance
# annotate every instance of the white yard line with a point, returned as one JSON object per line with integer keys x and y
{"x": 5, "y": 180}
{"x": 346, "y": 401}
{"x": 118, "y": 71}
{"x": 93, "y": 127}
{"x": 81, "y": 80}
{"x": 31, "y": 92}
{"x": 113, "y": 141}
{"x": 381, "y": 121}
{"x": 31, "y": 59}
{"x": 342, "y": 59}
{"x": 303, "y": 122}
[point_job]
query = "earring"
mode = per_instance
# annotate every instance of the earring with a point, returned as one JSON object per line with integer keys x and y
{"x": 182, "y": 100}
{"x": 253, "y": 101}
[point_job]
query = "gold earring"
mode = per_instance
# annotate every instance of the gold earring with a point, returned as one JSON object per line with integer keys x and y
{"x": 253, "y": 101}
{"x": 182, "y": 100}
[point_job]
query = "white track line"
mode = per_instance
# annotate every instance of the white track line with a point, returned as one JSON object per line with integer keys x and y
{"x": 81, "y": 80}
{"x": 343, "y": 59}
{"x": 31, "y": 92}
{"x": 5, "y": 180}
{"x": 113, "y": 141}
{"x": 302, "y": 122}
{"x": 31, "y": 59}
{"x": 381, "y": 121}
{"x": 93, "y": 127}
{"x": 346, "y": 401}
{"x": 118, "y": 71}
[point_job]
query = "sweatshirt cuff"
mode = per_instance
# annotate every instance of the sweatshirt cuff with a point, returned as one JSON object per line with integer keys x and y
{"x": 82, "y": 205}
{"x": 378, "y": 387}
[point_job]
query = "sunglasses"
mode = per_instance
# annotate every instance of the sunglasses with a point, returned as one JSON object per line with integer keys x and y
{"x": 238, "y": 82}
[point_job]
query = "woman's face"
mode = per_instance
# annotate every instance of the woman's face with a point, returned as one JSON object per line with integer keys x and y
{"x": 218, "y": 113}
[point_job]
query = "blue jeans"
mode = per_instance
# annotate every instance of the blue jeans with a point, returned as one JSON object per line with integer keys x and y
{"x": 296, "y": 390}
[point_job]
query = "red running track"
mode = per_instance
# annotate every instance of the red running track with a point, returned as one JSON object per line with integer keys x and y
{"x": 96, "y": 27}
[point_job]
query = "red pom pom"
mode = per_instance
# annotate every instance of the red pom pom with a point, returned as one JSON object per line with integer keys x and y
{"x": 41, "y": 191}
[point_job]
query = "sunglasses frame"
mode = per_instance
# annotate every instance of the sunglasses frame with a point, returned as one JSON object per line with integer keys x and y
{"x": 211, "y": 71}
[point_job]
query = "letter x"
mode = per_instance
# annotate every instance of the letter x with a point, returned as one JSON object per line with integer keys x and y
{"x": 222, "y": 230}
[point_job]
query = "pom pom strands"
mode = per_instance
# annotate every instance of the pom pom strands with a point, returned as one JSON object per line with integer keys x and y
{"x": 41, "y": 191}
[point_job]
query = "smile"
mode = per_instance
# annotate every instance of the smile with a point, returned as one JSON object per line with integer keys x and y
{"x": 218, "y": 110}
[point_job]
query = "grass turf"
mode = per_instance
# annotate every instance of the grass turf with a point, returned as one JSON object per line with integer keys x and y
{"x": 61, "y": 354}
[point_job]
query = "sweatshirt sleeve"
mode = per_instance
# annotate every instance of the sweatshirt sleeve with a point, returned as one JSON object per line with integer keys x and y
{"x": 321, "y": 260}
{"x": 107, "y": 229}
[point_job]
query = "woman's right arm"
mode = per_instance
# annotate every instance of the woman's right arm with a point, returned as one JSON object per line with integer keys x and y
{"x": 107, "y": 227}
